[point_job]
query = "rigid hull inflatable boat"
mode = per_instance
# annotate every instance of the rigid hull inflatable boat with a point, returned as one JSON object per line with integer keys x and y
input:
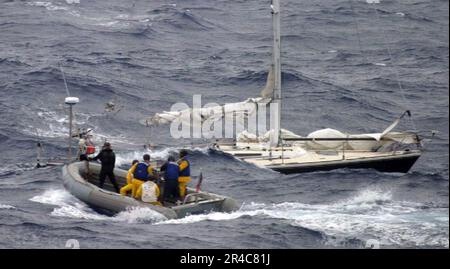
{"x": 107, "y": 201}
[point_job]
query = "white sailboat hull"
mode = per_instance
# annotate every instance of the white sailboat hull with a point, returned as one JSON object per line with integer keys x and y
{"x": 296, "y": 159}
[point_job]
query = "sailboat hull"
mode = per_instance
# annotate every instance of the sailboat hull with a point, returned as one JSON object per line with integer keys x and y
{"x": 400, "y": 163}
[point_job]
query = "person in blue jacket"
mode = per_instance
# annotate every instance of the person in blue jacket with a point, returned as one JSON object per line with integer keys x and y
{"x": 171, "y": 171}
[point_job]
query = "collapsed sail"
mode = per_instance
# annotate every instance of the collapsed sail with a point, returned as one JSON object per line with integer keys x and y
{"x": 246, "y": 108}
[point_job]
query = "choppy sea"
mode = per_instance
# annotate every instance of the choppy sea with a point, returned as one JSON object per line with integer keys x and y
{"x": 342, "y": 64}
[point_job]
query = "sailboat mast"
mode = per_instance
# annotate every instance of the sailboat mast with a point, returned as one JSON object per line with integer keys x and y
{"x": 275, "y": 113}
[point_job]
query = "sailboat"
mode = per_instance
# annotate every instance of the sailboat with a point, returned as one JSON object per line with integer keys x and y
{"x": 286, "y": 152}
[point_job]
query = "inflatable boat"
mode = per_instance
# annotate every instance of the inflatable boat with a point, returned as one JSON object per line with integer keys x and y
{"x": 105, "y": 200}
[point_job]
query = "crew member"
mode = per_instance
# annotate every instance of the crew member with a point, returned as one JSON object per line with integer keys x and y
{"x": 129, "y": 187}
{"x": 185, "y": 172}
{"x": 142, "y": 172}
{"x": 108, "y": 160}
{"x": 171, "y": 171}
{"x": 149, "y": 192}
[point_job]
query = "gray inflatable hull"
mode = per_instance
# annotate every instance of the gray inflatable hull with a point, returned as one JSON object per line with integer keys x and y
{"x": 108, "y": 201}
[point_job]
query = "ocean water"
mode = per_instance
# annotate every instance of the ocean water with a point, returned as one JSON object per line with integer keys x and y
{"x": 342, "y": 62}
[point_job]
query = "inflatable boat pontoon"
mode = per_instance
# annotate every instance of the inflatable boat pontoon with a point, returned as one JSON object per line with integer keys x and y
{"x": 107, "y": 201}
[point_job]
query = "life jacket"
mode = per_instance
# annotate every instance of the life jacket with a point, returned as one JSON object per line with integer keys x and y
{"x": 141, "y": 172}
{"x": 172, "y": 171}
{"x": 149, "y": 192}
{"x": 187, "y": 171}
{"x": 90, "y": 149}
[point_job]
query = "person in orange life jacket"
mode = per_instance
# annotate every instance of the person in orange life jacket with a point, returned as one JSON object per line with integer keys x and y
{"x": 129, "y": 186}
{"x": 185, "y": 172}
{"x": 171, "y": 171}
{"x": 142, "y": 172}
{"x": 108, "y": 160}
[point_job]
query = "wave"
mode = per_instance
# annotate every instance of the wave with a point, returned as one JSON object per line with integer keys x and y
{"x": 52, "y": 124}
{"x": 70, "y": 207}
{"x": 48, "y": 5}
{"x": 250, "y": 76}
{"x": 7, "y": 207}
{"x": 139, "y": 215}
{"x": 372, "y": 214}
{"x": 163, "y": 154}
{"x": 48, "y": 124}
{"x": 186, "y": 20}
{"x": 3, "y": 138}
{"x": 16, "y": 169}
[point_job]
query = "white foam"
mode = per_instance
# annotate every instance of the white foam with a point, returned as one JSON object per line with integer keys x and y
{"x": 371, "y": 213}
{"x": 2, "y": 206}
{"x": 163, "y": 154}
{"x": 48, "y": 5}
{"x": 70, "y": 207}
{"x": 72, "y": 2}
{"x": 126, "y": 158}
{"x": 16, "y": 168}
{"x": 53, "y": 124}
{"x": 139, "y": 215}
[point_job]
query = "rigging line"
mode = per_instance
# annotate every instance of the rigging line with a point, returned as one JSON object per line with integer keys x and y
{"x": 396, "y": 73}
{"x": 358, "y": 34}
{"x": 64, "y": 78}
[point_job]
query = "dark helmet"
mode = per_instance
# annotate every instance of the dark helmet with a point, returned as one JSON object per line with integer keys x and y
{"x": 146, "y": 157}
{"x": 183, "y": 153}
{"x": 171, "y": 159}
{"x": 107, "y": 145}
{"x": 134, "y": 162}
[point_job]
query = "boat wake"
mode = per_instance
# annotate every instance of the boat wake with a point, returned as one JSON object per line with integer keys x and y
{"x": 372, "y": 214}
{"x": 68, "y": 206}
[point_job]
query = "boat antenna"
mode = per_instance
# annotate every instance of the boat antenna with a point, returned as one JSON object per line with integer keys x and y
{"x": 71, "y": 102}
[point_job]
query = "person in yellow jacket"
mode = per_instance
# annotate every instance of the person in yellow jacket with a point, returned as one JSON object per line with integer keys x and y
{"x": 142, "y": 172}
{"x": 149, "y": 192}
{"x": 185, "y": 172}
{"x": 129, "y": 187}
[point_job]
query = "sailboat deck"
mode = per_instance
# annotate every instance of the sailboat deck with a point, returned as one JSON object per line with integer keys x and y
{"x": 322, "y": 157}
{"x": 289, "y": 156}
